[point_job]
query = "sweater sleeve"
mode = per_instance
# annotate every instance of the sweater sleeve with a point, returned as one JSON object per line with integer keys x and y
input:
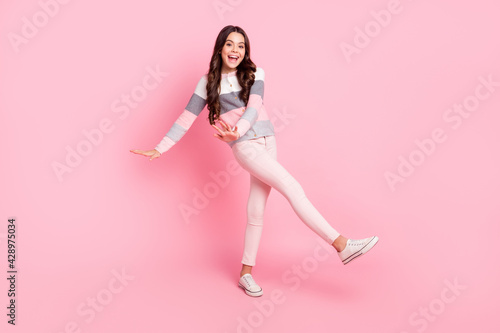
{"x": 255, "y": 100}
{"x": 194, "y": 107}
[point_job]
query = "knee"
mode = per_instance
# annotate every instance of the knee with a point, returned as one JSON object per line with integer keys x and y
{"x": 256, "y": 208}
{"x": 293, "y": 191}
{"x": 255, "y": 219}
{"x": 255, "y": 215}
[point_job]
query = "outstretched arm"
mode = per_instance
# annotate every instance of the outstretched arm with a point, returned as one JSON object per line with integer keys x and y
{"x": 194, "y": 107}
{"x": 196, "y": 104}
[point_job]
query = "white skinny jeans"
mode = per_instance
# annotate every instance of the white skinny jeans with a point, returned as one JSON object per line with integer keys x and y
{"x": 259, "y": 157}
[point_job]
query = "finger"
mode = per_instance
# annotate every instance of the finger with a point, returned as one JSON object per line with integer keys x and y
{"x": 224, "y": 124}
{"x": 218, "y": 129}
{"x": 228, "y": 128}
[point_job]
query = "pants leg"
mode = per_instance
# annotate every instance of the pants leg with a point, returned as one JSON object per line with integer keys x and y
{"x": 255, "y": 157}
{"x": 257, "y": 199}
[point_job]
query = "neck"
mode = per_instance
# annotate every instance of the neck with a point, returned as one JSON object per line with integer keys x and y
{"x": 228, "y": 71}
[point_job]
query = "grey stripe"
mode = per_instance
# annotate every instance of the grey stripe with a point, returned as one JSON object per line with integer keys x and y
{"x": 176, "y": 132}
{"x": 250, "y": 114}
{"x": 196, "y": 104}
{"x": 230, "y": 101}
{"x": 258, "y": 88}
{"x": 260, "y": 128}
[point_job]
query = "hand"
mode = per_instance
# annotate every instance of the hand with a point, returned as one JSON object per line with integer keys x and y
{"x": 150, "y": 153}
{"x": 226, "y": 134}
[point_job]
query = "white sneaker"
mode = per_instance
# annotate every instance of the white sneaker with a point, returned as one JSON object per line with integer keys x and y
{"x": 248, "y": 284}
{"x": 356, "y": 247}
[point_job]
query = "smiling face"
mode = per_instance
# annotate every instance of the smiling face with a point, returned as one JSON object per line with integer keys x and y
{"x": 232, "y": 52}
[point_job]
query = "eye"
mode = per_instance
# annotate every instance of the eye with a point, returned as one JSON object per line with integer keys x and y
{"x": 228, "y": 44}
{"x": 242, "y": 47}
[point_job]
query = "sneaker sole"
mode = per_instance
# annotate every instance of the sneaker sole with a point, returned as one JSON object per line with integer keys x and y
{"x": 362, "y": 251}
{"x": 251, "y": 293}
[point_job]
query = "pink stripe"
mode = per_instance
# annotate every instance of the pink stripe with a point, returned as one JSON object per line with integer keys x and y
{"x": 254, "y": 100}
{"x": 186, "y": 119}
{"x": 165, "y": 144}
{"x": 169, "y": 142}
{"x": 232, "y": 117}
{"x": 243, "y": 126}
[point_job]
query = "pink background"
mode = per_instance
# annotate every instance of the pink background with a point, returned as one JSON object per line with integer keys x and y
{"x": 349, "y": 121}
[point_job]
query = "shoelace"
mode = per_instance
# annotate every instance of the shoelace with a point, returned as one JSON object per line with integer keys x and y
{"x": 249, "y": 280}
{"x": 357, "y": 243}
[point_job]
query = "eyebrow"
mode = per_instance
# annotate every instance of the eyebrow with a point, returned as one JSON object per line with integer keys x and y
{"x": 233, "y": 42}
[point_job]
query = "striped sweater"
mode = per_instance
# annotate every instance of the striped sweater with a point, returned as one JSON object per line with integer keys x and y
{"x": 252, "y": 119}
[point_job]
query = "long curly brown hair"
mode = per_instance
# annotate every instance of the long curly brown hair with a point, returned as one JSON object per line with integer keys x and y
{"x": 245, "y": 72}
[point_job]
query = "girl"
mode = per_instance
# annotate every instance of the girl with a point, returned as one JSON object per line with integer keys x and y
{"x": 233, "y": 89}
